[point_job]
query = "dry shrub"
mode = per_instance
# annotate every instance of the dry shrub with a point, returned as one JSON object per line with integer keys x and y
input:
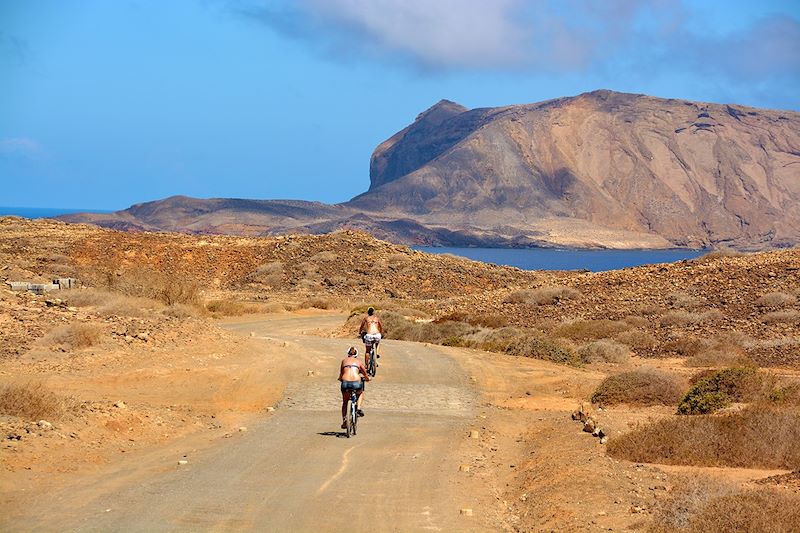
{"x": 636, "y": 321}
{"x": 685, "y": 301}
{"x": 641, "y": 342}
{"x": 713, "y": 390}
{"x": 590, "y": 329}
{"x": 230, "y": 307}
{"x": 153, "y": 284}
{"x": 181, "y": 311}
{"x": 318, "y": 303}
{"x": 270, "y": 274}
{"x": 73, "y": 336}
{"x": 526, "y": 343}
{"x": 31, "y": 401}
{"x": 686, "y": 318}
{"x": 720, "y": 354}
{"x": 717, "y": 254}
{"x": 649, "y": 309}
{"x": 787, "y": 394}
{"x": 755, "y": 437}
{"x": 273, "y": 307}
{"x": 325, "y": 256}
{"x": 776, "y": 299}
{"x": 643, "y": 386}
{"x": 604, "y": 351}
{"x": 690, "y": 495}
{"x": 686, "y": 346}
{"x": 788, "y": 316}
{"x": 543, "y": 295}
{"x": 762, "y": 510}
{"x": 486, "y": 320}
{"x": 510, "y": 340}
{"x": 396, "y": 259}
{"x": 702, "y": 504}
{"x": 111, "y": 303}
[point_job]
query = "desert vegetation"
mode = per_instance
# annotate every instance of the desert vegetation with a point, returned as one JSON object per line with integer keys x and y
{"x": 703, "y": 504}
{"x": 715, "y": 390}
{"x": 642, "y": 386}
{"x": 73, "y": 336}
{"x": 31, "y": 401}
{"x": 762, "y": 436}
{"x": 604, "y": 351}
{"x": 543, "y": 295}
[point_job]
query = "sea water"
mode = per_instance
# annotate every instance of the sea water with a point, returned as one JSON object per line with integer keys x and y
{"x": 566, "y": 259}
{"x": 44, "y": 212}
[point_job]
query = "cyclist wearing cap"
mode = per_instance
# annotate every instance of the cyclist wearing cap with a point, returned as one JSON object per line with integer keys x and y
{"x": 370, "y": 332}
{"x": 352, "y": 374}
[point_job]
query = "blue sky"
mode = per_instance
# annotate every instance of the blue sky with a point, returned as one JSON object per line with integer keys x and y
{"x": 108, "y": 103}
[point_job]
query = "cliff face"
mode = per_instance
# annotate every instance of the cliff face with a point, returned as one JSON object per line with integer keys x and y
{"x": 693, "y": 173}
{"x": 601, "y": 169}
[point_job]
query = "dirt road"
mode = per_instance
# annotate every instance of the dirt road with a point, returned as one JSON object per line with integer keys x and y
{"x": 292, "y": 469}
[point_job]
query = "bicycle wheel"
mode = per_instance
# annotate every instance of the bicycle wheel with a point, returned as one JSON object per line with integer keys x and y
{"x": 354, "y": 415}
{"x": 348, "y": 420}
{"x": 373, "y": 366}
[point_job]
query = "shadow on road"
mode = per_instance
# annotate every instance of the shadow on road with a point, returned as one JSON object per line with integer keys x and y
{"x": 340, "y": 434}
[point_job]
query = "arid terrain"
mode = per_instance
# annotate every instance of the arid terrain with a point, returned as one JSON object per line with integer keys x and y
{"x": 598, "y": 170}
{"x": 190, "y": 384}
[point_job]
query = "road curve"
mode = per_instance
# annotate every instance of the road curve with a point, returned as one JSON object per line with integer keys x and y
{"x": 292, "y": 470}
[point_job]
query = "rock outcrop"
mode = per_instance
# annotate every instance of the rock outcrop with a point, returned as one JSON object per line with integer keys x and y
{"x": 601, "y": 169}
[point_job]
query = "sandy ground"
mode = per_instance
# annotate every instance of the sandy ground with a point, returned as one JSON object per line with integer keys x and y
{"x": 253, "y": 411}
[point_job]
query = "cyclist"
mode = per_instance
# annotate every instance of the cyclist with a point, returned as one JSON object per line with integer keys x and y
{"x": 370, "y": 332}
{"x": 352, "y": 374}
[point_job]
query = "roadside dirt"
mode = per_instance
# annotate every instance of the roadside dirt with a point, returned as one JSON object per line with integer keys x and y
{"x": 413, "y": 465}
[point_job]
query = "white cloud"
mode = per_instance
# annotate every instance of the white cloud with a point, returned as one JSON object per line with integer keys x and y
{"x": 452, "y": 33}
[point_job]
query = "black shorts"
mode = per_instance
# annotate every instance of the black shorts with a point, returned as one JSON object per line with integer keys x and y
{"x": 352, "y": 385}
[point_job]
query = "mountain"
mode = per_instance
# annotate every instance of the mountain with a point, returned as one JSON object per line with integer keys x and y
{"x": 601, "y": 169}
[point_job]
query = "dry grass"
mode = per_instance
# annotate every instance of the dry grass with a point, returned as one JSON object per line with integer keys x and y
{"x": 319, "y": 302}
{"x": 270, "y": 274}
{"x": 325, "y": 256}
{"x": 486, "y": 320}
{"x": 181, "y": 311}
{"x": 718, "y": 254}
{"x": 111, "y": 303}
{"x": 713, "y": 390}
{"x": 760, "y": 436}
{"x": 604, "y": 351}
{"x": 683, "y": 300}
{"x": 643, "y": 386}
{"x": 582, "y": 330}
{"x": 230, "y": 308}
{"x": 73, "y": 336}
{"x": 511, "y": 340}
{"x": 32, "y": 401}
{"x": 686, "y": 318}
{"x": 701, "y": 504}
{"x": 788, "y": 316}
{"x": 719, "y": 355}
{"x": 543, "y": 295}
{"x": 153, "y": 284}
{"x": 776, "y": 299}
{"x": 641, "y": 342}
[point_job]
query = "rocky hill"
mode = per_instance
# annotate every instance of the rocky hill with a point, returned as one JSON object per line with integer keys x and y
{"x": 601, "y": 169}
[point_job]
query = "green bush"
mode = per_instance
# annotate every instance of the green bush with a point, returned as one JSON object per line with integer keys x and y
{"x": 714, "y": 390}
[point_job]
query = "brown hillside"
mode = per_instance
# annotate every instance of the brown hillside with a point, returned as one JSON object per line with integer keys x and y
{"x": 693, "y": 173}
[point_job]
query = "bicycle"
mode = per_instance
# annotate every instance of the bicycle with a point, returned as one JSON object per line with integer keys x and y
{"x": 372, "y": 365}
{"x": 351, "y": 420}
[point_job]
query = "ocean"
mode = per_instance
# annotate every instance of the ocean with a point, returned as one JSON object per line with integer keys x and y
{"x": 561, "y": 259}
{"x": 44, "y": 212}
{"x": 524, "y": 258}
